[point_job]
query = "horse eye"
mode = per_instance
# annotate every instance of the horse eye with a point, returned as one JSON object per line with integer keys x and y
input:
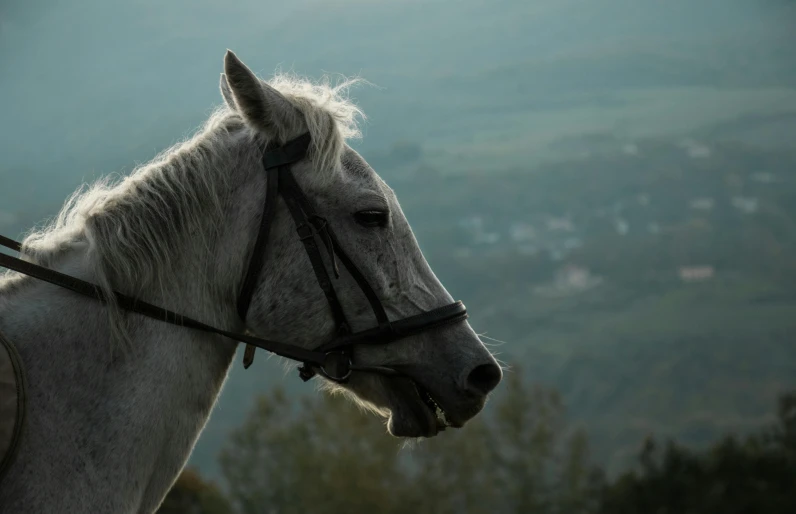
{"x": 371, "y": 218}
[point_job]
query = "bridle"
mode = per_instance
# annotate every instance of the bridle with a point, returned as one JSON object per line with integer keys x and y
{"x": 333, "y": 359}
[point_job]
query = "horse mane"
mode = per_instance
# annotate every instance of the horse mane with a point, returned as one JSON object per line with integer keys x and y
{"x": 132, "y": 225}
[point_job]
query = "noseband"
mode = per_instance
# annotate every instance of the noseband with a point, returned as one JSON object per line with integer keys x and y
{"x": 334, "y": 358}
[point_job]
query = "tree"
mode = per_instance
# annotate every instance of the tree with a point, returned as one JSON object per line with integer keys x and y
{"x": 320, "y": 455}
{"x": 191, "y": 494}
{"x": 315, "y": 455}
{"x": 518, "y": 457}
{"x": 756, "y": 475}
{"x": 325, "y": 455}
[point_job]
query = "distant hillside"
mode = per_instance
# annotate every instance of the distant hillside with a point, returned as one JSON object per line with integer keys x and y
{"x": 100, "y": 85}
{"x": 652, "y": 282}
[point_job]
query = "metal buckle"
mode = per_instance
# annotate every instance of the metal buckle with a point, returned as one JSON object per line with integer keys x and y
{"x": 319, "y": 222}
{"x": 340, "y": 377}
{"x": 306, "y": 372}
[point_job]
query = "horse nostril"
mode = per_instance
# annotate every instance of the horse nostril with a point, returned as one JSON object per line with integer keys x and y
{"x": 482, "y": 379}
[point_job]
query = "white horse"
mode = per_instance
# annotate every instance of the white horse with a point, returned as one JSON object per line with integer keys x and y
{"x": 116, "y": 401}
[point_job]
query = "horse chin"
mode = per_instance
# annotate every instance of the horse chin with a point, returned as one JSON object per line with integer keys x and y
{"x": 410, "y": 409}
{"x": 413, "y": 413}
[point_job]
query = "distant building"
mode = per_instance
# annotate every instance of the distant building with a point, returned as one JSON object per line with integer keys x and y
{"x": 763, "y": 177}
{"x": 630, "y": 149}
{"x": 569, "y": 280}
{"x": 702, "y": 204}
{"x": 574, "y": 277}
{"x": 462, "y": 253}
{"x": 695, "y": 150}
{"x": 487, "y": 238}
{"x": 572, "y": 243}
{"x": 473, "y": 223}
{"x": 560, "y": 224}
{"x": 696, "y": 273}
{"x": 522, "y": 232}
{"x": 745, "y": 204}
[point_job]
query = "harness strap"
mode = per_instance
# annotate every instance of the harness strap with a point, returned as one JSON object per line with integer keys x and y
{"x": 258, "y": 252}
{"x": 10, "y": 243}
{"x": 147, "y": 309}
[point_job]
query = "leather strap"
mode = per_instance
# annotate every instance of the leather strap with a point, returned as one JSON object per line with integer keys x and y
{"x": 10, "y": 243}
{"x": 289, "y": 153}
{"x": 258, "y": 255}
{"x": 153, "y": 311}
{"x": 258, "y": 252}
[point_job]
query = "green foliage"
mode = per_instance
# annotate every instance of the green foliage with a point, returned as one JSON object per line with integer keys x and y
{"x": 520, "y": 456}
{"x": 191, "y": 494}
{"x": 327, "y": 456}
{"x": 755, "y": 475}
{"x": 321, "y": 455}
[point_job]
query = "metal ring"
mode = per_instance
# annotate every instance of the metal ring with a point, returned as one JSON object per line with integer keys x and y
{"x": 345, "y": 376}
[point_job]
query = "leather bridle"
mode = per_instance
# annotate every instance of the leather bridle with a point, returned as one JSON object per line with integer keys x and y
{"x": 333, "y": 358}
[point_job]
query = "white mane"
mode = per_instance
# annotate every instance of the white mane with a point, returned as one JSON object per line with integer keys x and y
{"x": 133, "y": 225}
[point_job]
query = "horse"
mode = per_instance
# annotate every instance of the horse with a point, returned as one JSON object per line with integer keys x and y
{"x": 116, "y": 400}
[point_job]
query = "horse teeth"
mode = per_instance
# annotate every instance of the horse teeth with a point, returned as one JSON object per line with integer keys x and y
{"x": 439, "y": 413}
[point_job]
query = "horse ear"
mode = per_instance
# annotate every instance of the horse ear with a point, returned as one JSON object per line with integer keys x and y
{"x": 227, "y": 93}
{"x": 262, "y": 106}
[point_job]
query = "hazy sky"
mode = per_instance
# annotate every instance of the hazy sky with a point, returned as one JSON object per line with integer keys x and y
{"x": 93, "y": 81}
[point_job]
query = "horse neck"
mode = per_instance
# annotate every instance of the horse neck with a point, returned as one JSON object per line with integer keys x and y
{"x": 127, "y": 419}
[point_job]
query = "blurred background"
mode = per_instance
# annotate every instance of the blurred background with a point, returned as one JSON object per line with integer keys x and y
{"x": 610, "y": 186}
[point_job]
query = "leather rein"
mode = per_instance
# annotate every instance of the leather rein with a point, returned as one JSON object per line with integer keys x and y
{"x": 334, "y": 358}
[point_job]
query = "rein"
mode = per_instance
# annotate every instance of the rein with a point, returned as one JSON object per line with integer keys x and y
{"x": 333, "y": 359}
